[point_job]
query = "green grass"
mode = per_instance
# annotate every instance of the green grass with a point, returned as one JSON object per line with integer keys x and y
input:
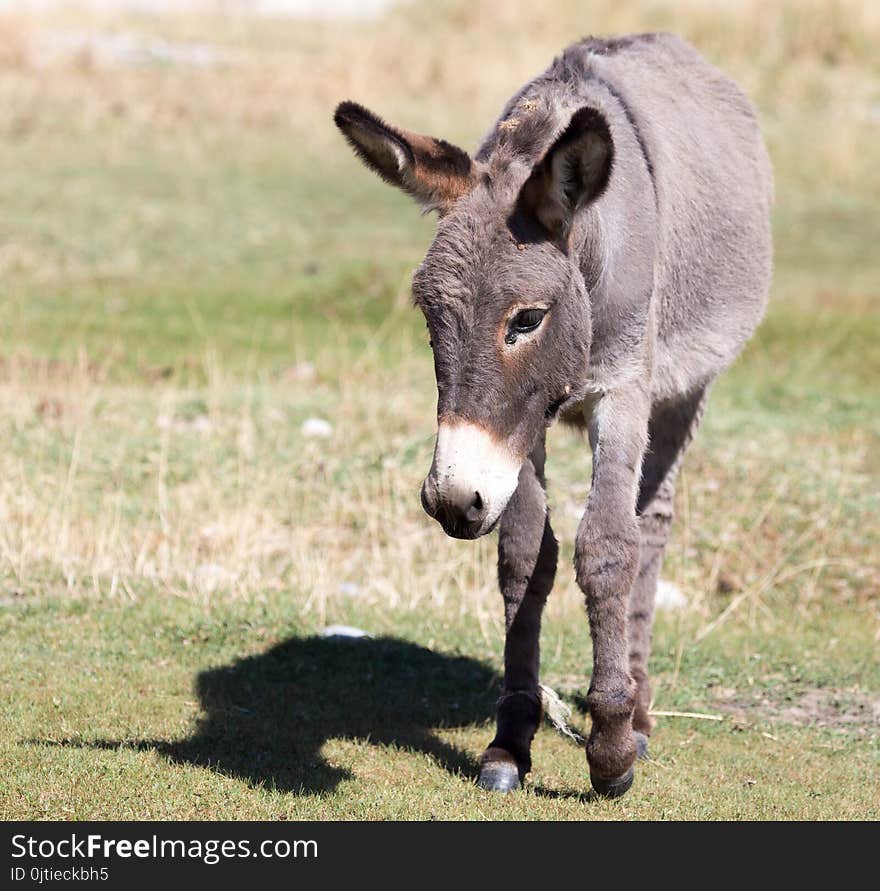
{"x": 180, "y": 291}
{"x": 283, "y": 724}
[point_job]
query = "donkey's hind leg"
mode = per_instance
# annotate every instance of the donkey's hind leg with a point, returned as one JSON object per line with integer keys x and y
{"x": 671, "y": 429}
{"x": 527, "y": 555}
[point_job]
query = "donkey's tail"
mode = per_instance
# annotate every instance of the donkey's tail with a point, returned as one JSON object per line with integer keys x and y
{"x": 558, "y": 714}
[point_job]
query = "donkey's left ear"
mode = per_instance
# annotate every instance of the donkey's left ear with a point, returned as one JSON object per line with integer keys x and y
{"x": 434, "y": 172}
{"x": 573, "y": 173}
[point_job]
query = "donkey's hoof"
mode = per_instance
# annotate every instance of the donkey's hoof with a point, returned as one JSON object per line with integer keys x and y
{"x": 499, "y": 771}
{"x": 641, "y": 744}
{"x": 614, "y": 787}
{"x": 498, "y": 777}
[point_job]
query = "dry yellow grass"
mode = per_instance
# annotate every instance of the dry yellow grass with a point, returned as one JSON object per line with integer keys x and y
{"x": 215, "y": 492}
{"x": 794, "y": 57}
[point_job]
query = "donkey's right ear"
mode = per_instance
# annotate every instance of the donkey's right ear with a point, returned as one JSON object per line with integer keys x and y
{"x": 434, "y": 172}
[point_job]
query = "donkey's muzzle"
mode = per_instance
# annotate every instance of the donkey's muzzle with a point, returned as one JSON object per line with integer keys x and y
{"x": 472, "y": 478}
{"x": 461, "y": 512}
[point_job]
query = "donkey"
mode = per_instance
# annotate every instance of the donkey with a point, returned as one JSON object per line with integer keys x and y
{"x": 601, "y": 259}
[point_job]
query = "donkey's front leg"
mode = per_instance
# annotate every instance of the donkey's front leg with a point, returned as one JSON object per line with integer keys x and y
{"x": 527, "y": 554}
{"x": 606, "y": 563}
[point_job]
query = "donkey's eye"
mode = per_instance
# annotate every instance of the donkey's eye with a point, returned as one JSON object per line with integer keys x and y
{"x": 527, "y": 320}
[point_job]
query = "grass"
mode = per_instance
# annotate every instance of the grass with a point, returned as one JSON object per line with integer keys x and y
{"x": 286, "y": 725}
{"x": 192, "y": 266}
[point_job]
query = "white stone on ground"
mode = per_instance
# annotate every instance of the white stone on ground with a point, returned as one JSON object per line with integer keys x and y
{"x": 210, "y": 577}
{"x": 669, "y": 596}
{"x": 316, "y": 428}
{"x": 344, "y": 631}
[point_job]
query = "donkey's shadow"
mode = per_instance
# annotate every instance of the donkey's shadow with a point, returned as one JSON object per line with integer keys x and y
{"x": 267, "y": 717}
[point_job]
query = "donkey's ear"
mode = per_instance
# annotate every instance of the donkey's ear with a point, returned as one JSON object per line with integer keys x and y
{"x": 573, "y": 173}
{"x": 434, "y": 172}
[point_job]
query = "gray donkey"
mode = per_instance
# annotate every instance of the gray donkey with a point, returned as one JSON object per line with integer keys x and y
{"x": 600, "y": 260}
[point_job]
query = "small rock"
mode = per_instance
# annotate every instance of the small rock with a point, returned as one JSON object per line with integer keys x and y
{"x": 344, "y": 631}
{"x": 669, "y": 596}
{"x": 316, "y": 428}
{"x": 209, "y": 577}
{"x": 201, "y": 424}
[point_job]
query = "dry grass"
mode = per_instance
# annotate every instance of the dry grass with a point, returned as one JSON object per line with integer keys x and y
{"x": 795, "y": 58}
{"x": 215, "y": 491}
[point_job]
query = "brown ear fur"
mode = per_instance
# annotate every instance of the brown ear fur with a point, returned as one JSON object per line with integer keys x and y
{"x": 433, "y": 171}
{"x": 573, "y": 173}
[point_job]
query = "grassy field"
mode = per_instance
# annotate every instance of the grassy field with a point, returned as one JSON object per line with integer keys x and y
{"x": 192, "y": 266}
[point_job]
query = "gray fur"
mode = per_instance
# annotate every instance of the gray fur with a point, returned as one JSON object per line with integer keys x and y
{"x": 627, "y": 188}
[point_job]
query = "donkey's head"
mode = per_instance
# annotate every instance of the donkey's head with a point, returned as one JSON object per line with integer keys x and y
{"x": 502, "y": 294}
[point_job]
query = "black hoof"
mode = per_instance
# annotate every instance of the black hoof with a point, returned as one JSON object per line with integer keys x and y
{"x": 641, "y": 744}
{"x": 612, "y": 788}
{"x": 498, "y": 776}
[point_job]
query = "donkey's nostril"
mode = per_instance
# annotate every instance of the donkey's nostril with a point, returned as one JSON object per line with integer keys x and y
{"x": 460, "y": 511}
{"x": 475, "y": 512}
